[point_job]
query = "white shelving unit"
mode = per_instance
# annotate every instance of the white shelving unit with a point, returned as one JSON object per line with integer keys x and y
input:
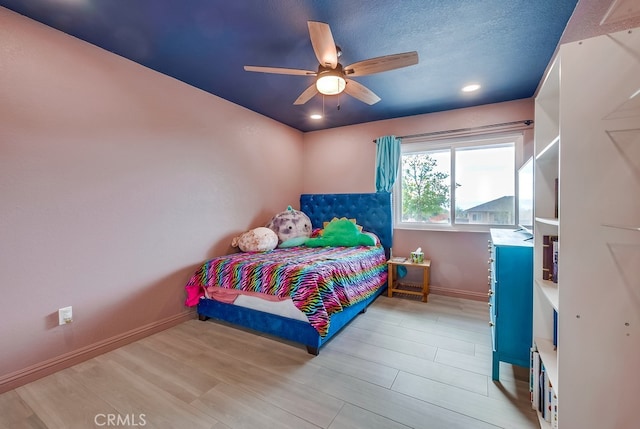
{"x": 546, "y": 172}
{"x": 587, "y": 137}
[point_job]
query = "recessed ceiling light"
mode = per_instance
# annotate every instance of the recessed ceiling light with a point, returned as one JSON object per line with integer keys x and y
{"x": 470, "y": 88}
{"x": 316, "y": 116}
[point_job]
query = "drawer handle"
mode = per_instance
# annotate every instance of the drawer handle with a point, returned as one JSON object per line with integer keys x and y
{"x": 491, "y": 324}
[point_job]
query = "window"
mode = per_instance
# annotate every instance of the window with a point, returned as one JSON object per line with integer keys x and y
{"x": 461, "y": 184}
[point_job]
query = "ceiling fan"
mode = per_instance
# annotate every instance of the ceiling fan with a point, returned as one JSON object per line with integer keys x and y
{"x": 332, "y": 77}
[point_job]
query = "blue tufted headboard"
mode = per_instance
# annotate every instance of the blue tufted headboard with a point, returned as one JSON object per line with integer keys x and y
{"x": 372, "y": 211}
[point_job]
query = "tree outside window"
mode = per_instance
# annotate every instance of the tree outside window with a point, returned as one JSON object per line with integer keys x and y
{"x": 425, "y": 188}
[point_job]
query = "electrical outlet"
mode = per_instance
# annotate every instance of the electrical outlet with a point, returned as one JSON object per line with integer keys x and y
{"x": 65, "y": 315}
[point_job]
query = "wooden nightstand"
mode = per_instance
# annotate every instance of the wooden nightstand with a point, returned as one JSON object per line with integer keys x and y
{"x": 408, "y": 289}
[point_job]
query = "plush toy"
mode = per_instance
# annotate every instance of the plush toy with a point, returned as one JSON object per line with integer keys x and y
{"x": 341, "y": 232}
{"x": 258, "y": 239}
{"x": 289, "y": 225}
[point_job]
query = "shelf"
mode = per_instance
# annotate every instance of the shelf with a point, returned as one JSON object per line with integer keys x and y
{"x": 548, "y": 221}
{"x": 550, "y": 291}
{"x": 547, "y": 172}
{"x": 549, "y": 357}
{"x": 626, "y": 227}
{"x": 550, "y": 151}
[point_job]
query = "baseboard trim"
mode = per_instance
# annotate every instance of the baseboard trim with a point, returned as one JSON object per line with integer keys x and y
{"x": 42, "y": 369}
{"x": 458, "y": 293}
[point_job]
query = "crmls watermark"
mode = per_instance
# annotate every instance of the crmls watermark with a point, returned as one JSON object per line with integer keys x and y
{"x": 122, "y": 420}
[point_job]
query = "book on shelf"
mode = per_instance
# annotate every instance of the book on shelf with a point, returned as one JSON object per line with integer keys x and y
{"x": 543, "y": 396}
{"x": 546, "y": 262}
{"x": 541, "y": 390}
{"x": 548, "y": 392}
{"x": 398, "y": 259}
{"x": 546, "y": 412}
{"x": 534, "y": 367}
{"x": 548, "y": 256}
{"x": 554, "y": 266}
{"x": 555, "y": 329}
{"x": 554, "y": 410}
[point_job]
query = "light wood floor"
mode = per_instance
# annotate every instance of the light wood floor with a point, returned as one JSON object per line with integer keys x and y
{"x": 402, "y": 364}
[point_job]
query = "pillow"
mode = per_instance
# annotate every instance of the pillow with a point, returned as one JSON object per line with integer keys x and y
{"x": 324, "y": 224}
{"x": 290, "y": 224}
{"x": 259, "y": 239}
{"x": 341, "y": 232}
{"x": 293, "y": 242}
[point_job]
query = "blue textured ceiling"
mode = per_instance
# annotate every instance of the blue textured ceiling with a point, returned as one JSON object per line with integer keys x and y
{"x": 505, "y": 45}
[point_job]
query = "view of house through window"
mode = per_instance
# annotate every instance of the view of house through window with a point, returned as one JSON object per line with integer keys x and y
{"x": 457, "y": 183}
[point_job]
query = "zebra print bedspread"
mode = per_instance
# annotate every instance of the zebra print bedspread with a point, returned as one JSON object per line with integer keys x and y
{"x": 320, "y": 281}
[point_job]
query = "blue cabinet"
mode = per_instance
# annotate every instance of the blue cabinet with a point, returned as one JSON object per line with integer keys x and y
{"x": 510, "y": 297}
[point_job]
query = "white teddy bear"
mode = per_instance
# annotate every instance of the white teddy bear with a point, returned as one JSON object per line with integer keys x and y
{"x": 259, "y": 239}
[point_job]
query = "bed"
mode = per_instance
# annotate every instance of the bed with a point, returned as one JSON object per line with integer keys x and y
{"x": 320, "y": 302}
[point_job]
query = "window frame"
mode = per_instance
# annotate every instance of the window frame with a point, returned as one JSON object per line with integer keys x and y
{"x": 453, "y": 143}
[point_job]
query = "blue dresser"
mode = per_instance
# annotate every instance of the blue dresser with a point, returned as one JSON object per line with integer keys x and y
{"x": 510, "y": 297}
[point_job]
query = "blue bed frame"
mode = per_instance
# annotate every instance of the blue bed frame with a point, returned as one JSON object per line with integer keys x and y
{"x": 373, "y": 212}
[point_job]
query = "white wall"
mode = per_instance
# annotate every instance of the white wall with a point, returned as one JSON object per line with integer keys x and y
{"x": 115, "y": 183}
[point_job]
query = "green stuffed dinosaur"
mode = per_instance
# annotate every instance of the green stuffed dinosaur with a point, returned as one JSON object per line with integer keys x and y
{"x": 341, "y": 232}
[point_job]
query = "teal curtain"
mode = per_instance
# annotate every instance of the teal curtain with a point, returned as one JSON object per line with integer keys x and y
{"x": 387, "y": 162}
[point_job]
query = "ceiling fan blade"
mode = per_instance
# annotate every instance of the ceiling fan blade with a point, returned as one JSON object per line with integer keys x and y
{"x": 306, "y": 95}
{"x": 279, "y": 70}
{"x": 323, "y": 44}
{"x": 381, "y": 64}
{"x": 361, "y": 92}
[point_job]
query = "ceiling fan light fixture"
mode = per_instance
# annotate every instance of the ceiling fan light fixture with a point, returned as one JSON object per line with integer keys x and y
{"x": 330, "y": 81}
